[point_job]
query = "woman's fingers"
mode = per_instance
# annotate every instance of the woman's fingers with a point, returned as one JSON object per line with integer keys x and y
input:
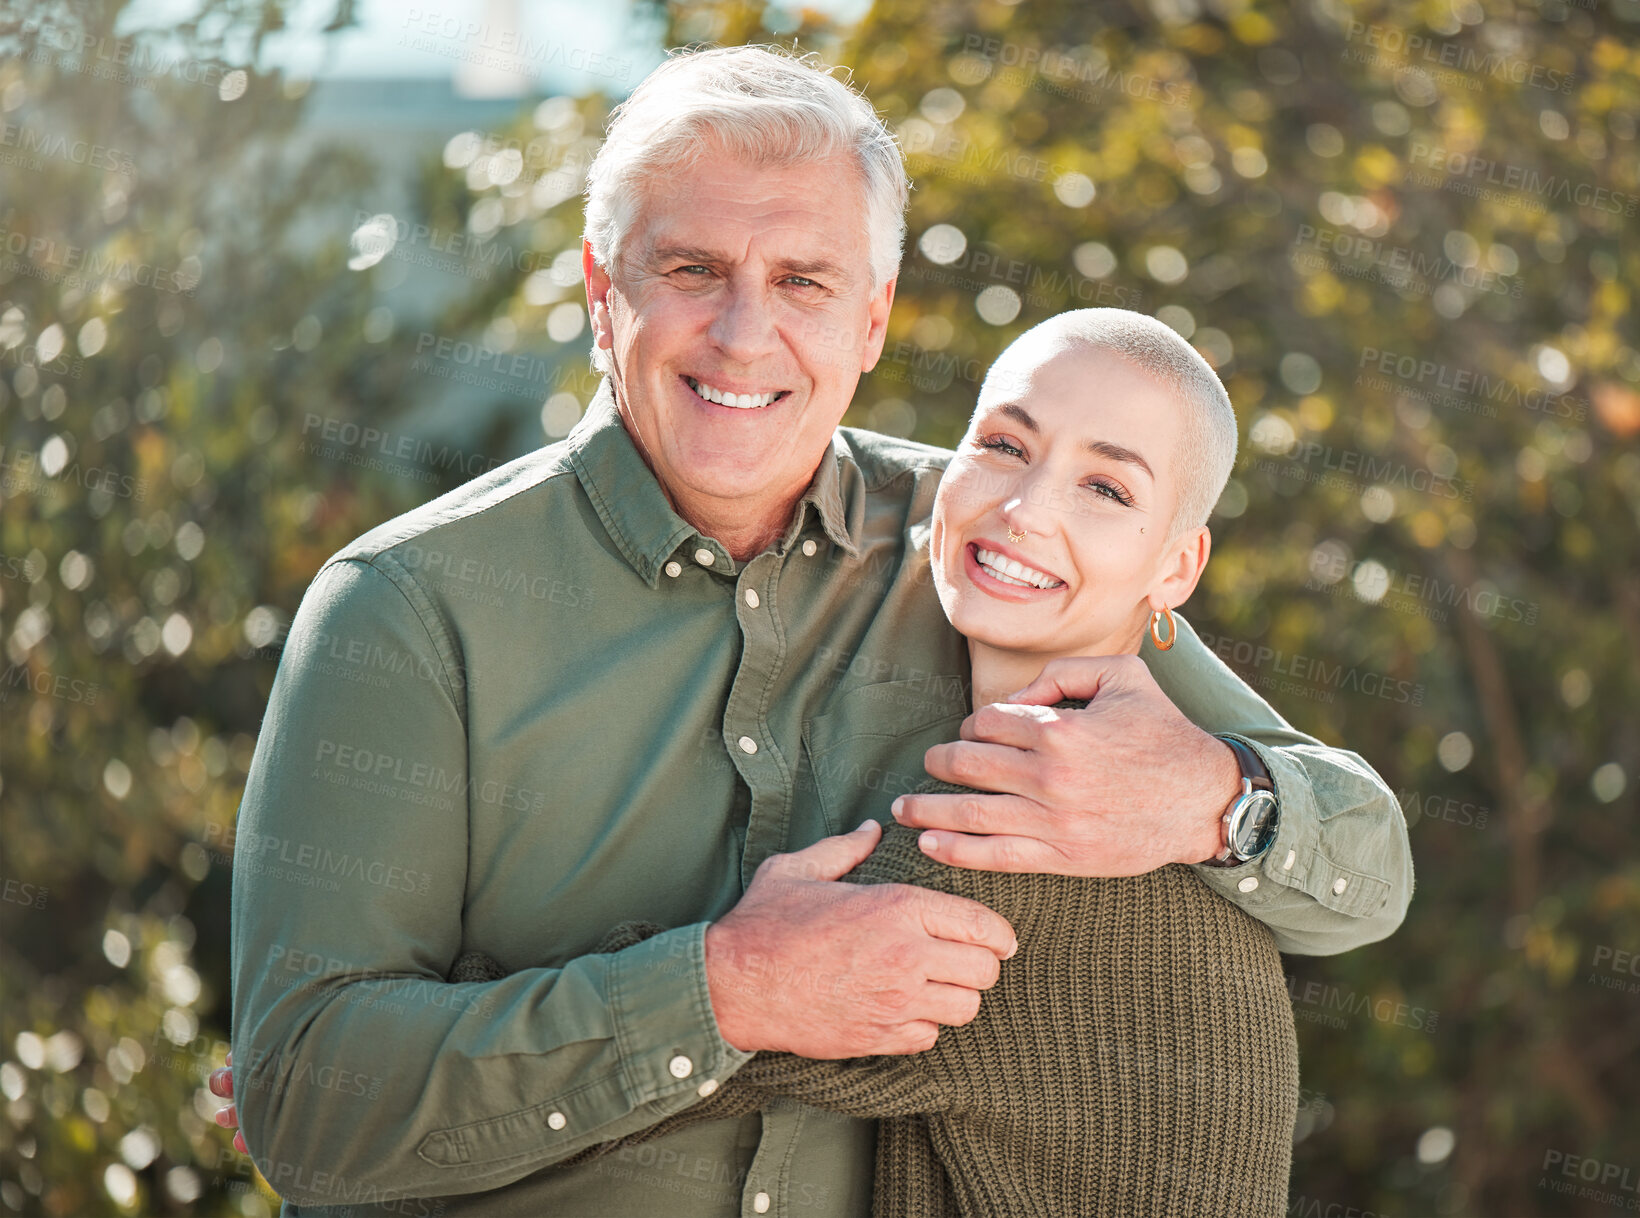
{"x": 221, "y": 1083}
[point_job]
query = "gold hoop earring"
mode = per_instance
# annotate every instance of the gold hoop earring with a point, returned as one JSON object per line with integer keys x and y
{"x": 1172, "y": 629}
{"x": 1014, "y": 537}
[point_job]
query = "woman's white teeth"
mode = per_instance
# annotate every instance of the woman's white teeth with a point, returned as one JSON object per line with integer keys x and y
{"x": 1016, "y": 573}
{"x": 740, "y": 401}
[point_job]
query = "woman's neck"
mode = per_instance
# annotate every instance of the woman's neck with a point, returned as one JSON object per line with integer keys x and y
{"x": 996, "y": 673}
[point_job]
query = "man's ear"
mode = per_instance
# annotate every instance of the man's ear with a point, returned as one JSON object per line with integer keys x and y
{"x": 599, "y": 285}
{"x": 1181, "y": 567}
{"x": 881, "y": 302}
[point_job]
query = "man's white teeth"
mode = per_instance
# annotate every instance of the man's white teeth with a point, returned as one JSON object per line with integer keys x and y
{"x": 1016, "y": 573}
{"x": 740, "y": 401}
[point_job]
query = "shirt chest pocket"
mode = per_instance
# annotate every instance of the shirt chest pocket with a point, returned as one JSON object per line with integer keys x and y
{"x": 868, "y": 745}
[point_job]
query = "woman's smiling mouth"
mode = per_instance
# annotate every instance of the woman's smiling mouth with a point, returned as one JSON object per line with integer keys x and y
{"x": 997, "y": 570}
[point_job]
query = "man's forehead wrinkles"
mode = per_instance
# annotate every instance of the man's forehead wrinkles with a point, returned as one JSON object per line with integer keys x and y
{"x": 806, "y": 235}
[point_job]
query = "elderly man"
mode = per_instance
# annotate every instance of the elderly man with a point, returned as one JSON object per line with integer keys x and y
{"x": 655, "y": 672}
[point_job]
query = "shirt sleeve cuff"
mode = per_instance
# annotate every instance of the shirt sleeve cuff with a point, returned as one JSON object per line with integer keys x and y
{"x": 666, "y": 1032}
{"x": 1295, "y": 859}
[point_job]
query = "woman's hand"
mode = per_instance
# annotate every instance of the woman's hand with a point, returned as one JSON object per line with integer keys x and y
{"x": 221, "y": 1083}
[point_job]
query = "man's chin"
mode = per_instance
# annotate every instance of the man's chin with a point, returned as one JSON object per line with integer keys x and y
{"x": 734, "y": 479}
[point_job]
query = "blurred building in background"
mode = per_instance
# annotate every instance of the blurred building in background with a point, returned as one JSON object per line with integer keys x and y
{"x": 263, "y": 288}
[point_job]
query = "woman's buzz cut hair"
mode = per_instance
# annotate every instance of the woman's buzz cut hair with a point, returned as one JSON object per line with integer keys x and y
{"x": 758, "y": 104}
{"x": 1207, "y": 448}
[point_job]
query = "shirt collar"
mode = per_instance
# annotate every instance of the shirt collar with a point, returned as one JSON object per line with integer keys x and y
{"x": 841, "y": 523}
{"x": 639, "y": 519}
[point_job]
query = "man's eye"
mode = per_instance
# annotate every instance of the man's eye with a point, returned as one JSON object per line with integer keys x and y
{"x": 693, "y": 269}
{"x": 801, "y": 282}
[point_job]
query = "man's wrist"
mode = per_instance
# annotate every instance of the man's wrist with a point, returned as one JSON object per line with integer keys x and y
{"x": 1221, "y": 782}
{"x": 722, "y": 984}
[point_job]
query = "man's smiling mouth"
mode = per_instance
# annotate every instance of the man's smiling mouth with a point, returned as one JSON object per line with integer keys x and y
{"x": 738, "y": 401}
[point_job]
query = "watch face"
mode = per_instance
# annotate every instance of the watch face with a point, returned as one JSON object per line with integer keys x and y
{"x": 1257, "y": 824}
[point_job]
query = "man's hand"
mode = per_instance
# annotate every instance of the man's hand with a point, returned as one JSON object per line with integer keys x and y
{"x": 1121, "y": 788}
{"x": 221, "y": 1083}
{"x": 824, "y": 969}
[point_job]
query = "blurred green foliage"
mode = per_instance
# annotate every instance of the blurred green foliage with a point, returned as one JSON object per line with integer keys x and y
{"x": 1403, "y": 232}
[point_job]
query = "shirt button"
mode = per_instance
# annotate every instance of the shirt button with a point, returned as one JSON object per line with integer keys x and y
{"x": 704, "y": 557}
{"x": 1292, "y": 857}
{"x": 674, "y": 569}
{"x": 680, "y": 1066}
{"x": 556, "y": 1120}
{"x": 1248, "y": 883}
{"x": 706, "y": 1088}
{"x": 1339, "y": 885}
{"x": 751, "y": 597}
{"x": 760, "y": 1203}
{"x": 809, "y": 548}
{"x": 748, "y": 745}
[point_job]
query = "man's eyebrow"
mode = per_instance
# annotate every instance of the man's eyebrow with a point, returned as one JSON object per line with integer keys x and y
{"x": 1099, "y": 448}
{"x": 818, "y": 268}
{"x": 685, "y": 253}
{"x": 809, "y": 268}
{"x": 690, "y": 255}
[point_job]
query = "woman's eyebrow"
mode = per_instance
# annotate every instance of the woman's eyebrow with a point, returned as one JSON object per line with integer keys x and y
{"x": 1099, "y": 448}
{"x": 1115, "y": 452}
{"x": 1020, "y": 415}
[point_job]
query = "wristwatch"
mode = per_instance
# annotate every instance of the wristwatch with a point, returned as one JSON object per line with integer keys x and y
{"x": 1251, "y": 819}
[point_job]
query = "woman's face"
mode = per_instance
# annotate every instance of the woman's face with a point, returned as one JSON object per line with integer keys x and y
{"x": 1074, "y": 449}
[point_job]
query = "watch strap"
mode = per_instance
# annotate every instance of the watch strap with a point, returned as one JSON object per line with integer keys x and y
{"x": 1252, "y": 766}
{"x": 1255, "y": 777}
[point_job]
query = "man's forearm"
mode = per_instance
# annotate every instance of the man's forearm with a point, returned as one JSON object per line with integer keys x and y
{"x": 1339, "y": 871}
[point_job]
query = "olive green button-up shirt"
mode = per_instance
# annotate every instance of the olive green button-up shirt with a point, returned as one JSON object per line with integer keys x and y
{"x": 544, "y": 704}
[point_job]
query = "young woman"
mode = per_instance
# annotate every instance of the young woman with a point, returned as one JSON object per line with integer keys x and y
{"x": 1137, "y": 1055}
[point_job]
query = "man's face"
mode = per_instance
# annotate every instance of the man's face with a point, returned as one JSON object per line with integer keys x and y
{"x": 748, "y": 281}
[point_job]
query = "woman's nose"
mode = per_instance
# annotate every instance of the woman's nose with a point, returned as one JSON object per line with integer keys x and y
{"x": 1033, "y": 503}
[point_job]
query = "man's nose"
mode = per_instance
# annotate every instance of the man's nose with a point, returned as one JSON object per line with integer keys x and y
{"x": 743, "y": 328}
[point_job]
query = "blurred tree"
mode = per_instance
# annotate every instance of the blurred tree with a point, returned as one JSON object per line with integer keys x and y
{"x": 1398, "y": 230}
{"x": 194, "y": 351}
{"x": 1405, "y": 236}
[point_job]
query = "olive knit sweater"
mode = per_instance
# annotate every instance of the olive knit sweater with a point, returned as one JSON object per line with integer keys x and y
{"x": 1136, "y": 1057}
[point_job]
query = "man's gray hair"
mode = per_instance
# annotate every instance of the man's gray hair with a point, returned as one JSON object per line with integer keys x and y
{"x": 1207, "y": 446}
{"x": 758, "y": 104}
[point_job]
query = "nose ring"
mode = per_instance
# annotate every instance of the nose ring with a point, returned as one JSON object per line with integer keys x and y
{"x": 1014, "y": 537}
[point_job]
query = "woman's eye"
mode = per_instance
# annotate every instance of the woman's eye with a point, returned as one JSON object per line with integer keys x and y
{"x": 1111, "y": 491}
{"x": 998, "y": 444}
